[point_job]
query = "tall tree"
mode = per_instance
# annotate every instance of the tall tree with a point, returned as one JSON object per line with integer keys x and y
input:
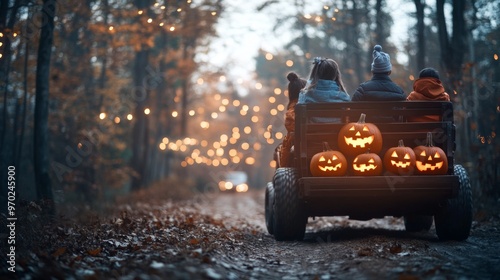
{"x": 421, "y": 55}
{"x": 41, "y": 141}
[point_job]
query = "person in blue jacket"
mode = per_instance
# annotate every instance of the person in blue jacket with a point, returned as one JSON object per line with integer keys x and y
{"x": 324, "y": 84}
{"x": 380, "y": 87}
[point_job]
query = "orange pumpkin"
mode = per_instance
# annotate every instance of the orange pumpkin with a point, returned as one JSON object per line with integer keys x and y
{"x": 430, "y": 160}
{"x": 359, "y": 137}
{"x": 400, "y": 160}
{"x": 328, "y": 163}
{"x": 367, "y": 164}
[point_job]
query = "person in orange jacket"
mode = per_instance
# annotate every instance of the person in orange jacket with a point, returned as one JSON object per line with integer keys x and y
{"x": 294, "y": 86}
{"x": 427, "y": 87}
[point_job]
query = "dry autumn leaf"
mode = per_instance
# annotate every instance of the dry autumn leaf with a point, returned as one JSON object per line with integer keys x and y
{"x": 94, "y": 252}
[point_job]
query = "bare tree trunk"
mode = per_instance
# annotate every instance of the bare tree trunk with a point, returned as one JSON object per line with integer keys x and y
{"x": 421, "y": 55}
{"x": 25, "y": 102}
{"x": 41, "y": 141}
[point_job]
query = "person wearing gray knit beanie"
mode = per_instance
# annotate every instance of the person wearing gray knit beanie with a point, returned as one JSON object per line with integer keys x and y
{"x": 380, "y": 87}
{"x": 381, "y": 61}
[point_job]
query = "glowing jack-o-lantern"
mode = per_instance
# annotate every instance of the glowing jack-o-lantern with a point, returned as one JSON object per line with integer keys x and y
{"x": 367, "y": 164}
{"x": 359, "y": 137}
{"x": 328, "y": 163}
{"x": 430, "y": 159}
{"x": 400, "y": 160}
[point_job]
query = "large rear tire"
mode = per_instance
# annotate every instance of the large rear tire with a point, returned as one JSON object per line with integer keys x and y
{"x": 289, "y": 218}
{"x": 454, "y": 219}
{"x": 416, "y": 223}
{"x": 269, "y": 211}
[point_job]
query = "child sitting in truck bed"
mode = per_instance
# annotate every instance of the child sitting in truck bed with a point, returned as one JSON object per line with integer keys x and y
{"x": 380, "y": 87}
{"x": 428, "y": 86}
{"x": 295, "y": 84}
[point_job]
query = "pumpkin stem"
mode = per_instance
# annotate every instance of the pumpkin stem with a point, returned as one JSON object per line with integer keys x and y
{"x": 401, "y": 143}
{"x": 326, "y": 147}
{"x": 429, "y": 139}
{"x": 362, "y": 118}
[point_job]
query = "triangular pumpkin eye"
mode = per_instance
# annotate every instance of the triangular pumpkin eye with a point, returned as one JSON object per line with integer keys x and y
{"x": 365, "y": 128}
{"x": 394, "y": 154}
{"x": 407, "y": 156}
{"x": 422, "y": 153}
{"x": 352, "y": 128}
{"x": 334, "y": 157}
{"x": 437, "y": 155}
{"x": 322, "y": 158}
{"x": 371, "y": 161}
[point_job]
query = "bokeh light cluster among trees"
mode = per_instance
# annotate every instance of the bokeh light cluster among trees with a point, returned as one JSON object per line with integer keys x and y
{"x": 129, "y": 105}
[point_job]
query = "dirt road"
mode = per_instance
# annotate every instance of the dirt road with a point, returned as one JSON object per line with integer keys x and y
{"x": 223, "y": 236}
{"x": 336, "y": 247}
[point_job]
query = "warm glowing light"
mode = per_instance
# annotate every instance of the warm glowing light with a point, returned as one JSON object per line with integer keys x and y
{"x": 245, "y": 146}
{"x": 233, "y": 152}
{"x": 216, "y": 145}
{"x": 247, "y": 129}
{"x": 192, "y": 113}
{"x": 289, "y": 63}
{"x": 411, "y": 77}
{"x": 255, "y": 119}
{"x": 233, "y": 140}
{"x": 140, "y": 12}
{"x": 204, "y": 143}
{"x": 336, "y": 10}
{"x": 272, "y": 164}
{"x": 236, "y": 103}
{"x": 204, "y": 125}
{"x": 200, "y": 81}
{"x": 217, "y": 97}
{"x": 172, "y": 28}
{"x": 326, "y": 7}
{"x": 163, "y": 146}
{"x": 224, "y": 138}
{"x": 279, "y": 135}
{"x": 257, "y": 146}
{"x": 269, "y": 56}
{"x": 150, "y": 20}
{"x": 214, "y": 13}
{"x": 1, "y": 44}
{"x": 245, "y": 108}
{"x": 111, "y": 28}
{"x": 210, "y": 153}
{"x": 225, "y": 101}
{"x": 256, "y": 108}
{"x": 273, "y": 112}
{"x": 272, "y": 99}
{"x": 222, "y": 108}
{"x": 130, "y": 117}
{"x": 222, "y": 78}
{"x": 277, "y": 91}
{"x": 243, "y": 112}
{"x": 307, "y": 16}
{"x": 281, "y": 107}
{"x": 270, "y": 141}
{"x": 318, "y": 19}
{"x": 102, "y": 116}
{"x": 250, "y": 160}
{"x": 267, "y": 134}
{"x": 242, "y": 188}
{"x": 224, "y": 161}
{"x": 235, "y": 159}
{"x": 219, "y": 152}
{"x": 183, "y": 164}
{"x": 495, "y": 56}
{"x": 162, "y": 7}
{"x": 175, "y": 114}
{"x": 1, "y": 34}
{"x": 179, "y": 10}
{"x": 117, "y": 120}
{"x": 334, "y": 18}
{"x": 165, "y": 140}
{"x": 161, "y": 24}
{"x": 214, "y": 115}
{"x": 258, "y": 85}
{"x": 235, "y": 129}
{"x": 147, "y": 111}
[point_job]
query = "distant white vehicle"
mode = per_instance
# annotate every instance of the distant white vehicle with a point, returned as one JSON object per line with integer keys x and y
{"x": 234, "y": 181}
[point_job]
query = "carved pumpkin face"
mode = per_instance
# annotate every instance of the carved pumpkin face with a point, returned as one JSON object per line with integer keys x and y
{"x": 367, "y": 164}
{"x": 357, "y": 138}
{"x": 430, "y": 159}
{"x": 328, "y": 163}
{"x": 400, "y": 160}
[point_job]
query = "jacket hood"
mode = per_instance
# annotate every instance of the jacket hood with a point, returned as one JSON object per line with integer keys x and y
{"x": 431, "y": 88}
